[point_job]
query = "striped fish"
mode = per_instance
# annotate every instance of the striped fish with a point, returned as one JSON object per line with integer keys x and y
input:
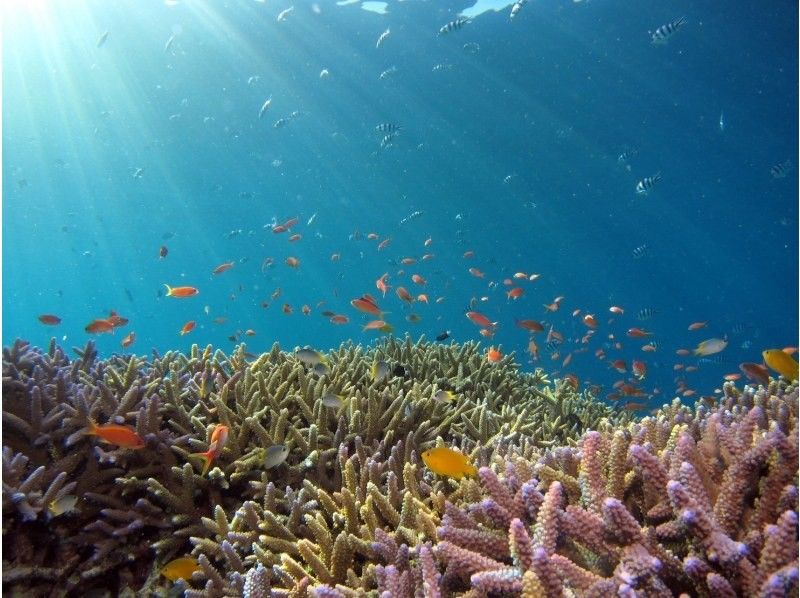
{"x": 388, "y": 128}
{"x": 387, "y": 140}
{"x": 641, "y": 251}
{"x": 387, "y": 73}
{"x": 646, "y": 313}
{"x": 453, "y": 26}
{"x": 646, "y": 185}
{"x": 779, "y": 171}
{"x": 383, "y": 37}
{"x": 517, "y": 7}
{"x": 662, "y": 35}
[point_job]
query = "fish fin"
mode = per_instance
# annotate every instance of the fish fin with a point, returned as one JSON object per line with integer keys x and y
{"x": 169, "y": 290}
{"x": 207, "y": 457}
{"x": 92, "y": 429}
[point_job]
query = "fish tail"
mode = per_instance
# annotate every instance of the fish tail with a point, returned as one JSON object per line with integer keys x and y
{"x": 207, "y": 458}
{"x": 92, "y": 429}
{"x": 169, "y": 290}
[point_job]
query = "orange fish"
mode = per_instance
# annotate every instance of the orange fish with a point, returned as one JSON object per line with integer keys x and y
{"x": 121, "y": 435}
{"x": 372, "y": 236}
{"x": 530, "y": 325}
{"x": 487, "y": 332}
{"x": 631, "y": 406}
{"x": 381, "y": 285}
{"x": 468, "y": 254}
{"x": 756, "y": 372}
{"x": 533, "y": 349}
{"x": 417, "y": 279}
{"x": 493, "y": 355}
{"x": 128, "y": 340}
{"x": 572, "y": 379}
{"x": 339, "y": 319}
{"x": 683, "y": 352}
{"x": 287, "y": 309}
{"x": 422, "y": 298}
{"x": 407, "y": 261}
{"x": 639, "y": 369}
{"x": 222, "y": 268}
{"x": 249, "y": 332}
{"x": 295, "y": 237}
{"x": 384, "y": 244}
{"x": 279, "y": 228}
{"x": 291, "y": 222}
{"x": 188, "y": 327}
{"x": 479, "y": 319}
{"x": 477, "y": 273}
{"x": 619, "y": 365}
{"x": 732, "y": 377}
{"x": 404, "y": 295}
{"x": 116, "y": 320}
{"x": 520, "y": 275}
{"x": 218, "y": 439}
{"x": 616, "y": 310}
{"x": 292, "y": 262}
{"x": 99, "y": 326}
{"x": 697, "y": 325}
{"x": 515, "y": 293}
{"x": 366, "y": 304}
{"x": 378, "y": 325}
{"x": 181, "y": 292}
{"x": 49, "y": 319}
{"x": 427, "y": 256}
{"x": 638, "y": 333}
{"x": 589, "y": 320}
{"x": 305, "y": 309}
{"x": 649, "y": 348}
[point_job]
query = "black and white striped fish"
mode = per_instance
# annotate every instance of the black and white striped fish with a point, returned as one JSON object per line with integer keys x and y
{"x": 646, "y": 185}
{"x": 382, "y": 38}
{"x": 641, "y": 251}
{"x": 625, "y": 157}
{"x": 646, "y": 313}
{"x": 662, "y": 35}
{"x": 387, "y": 73}
{"x": 779, "y": 171}
{"x": 453, "y": 25}
{"x": 388, "y": 139}
{"x": 388, "y": 128}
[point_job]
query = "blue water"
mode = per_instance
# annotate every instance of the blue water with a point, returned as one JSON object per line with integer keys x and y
{"x": 551, "y": 98}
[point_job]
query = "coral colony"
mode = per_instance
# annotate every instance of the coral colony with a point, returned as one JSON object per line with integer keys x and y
{"x": 316, "y": 483}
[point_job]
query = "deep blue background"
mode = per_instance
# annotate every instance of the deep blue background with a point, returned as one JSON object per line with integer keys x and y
{"x": 552, "y": 97}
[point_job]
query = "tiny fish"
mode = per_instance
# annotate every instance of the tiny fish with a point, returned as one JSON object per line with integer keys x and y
{"x": 49, "y": 319}
{"x": 443, "y": 336}
{"x": 285, "y": 13}
{"x": 388, "y": 128}
{"x": 275, "y": 455}
{"x": 188, "y": 327}
{"x": 224, "y": 267}
{"x": 218, "y": 439}
{"x": 181, "y": 568}
{"x": 448, "y": 462}
{"x": 516, "y": 8}
{"x": 779, "y": 171}
{"x": 387, "y": 73}
{"x": 444, "y": 396}
{"x": 102, "y": 39}
{"x": 711, "y": 346}
{"x": 646, "y": 313}
{"x": 324, "y": 74}
{"x": 647, "y": 184}
{"x": 472, "y": 47}
{"x": 60, "y": 506}
{"x": 332, "y": 401}
{"x": 662, "y": 35}
{"x": 310, "y": 356}
{"x": 265, "y": 106}
{"x": 641, "y": 251}
{"x": 383, "y": 37}
{"x": 380, "y": 371}
{"x": 162, "y": 252}
{"x": 453, "y": 25}
{"x": 169, "y": 43}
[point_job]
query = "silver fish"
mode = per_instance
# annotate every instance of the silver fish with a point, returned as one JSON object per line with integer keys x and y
{"x": 383, "y": 37}
{"x": 453, "y": 25}
{"x": 275, "y": 455}
{"x": 265, "y": 106}
{"x": 285, "y": 13}
{"x": 387, "y": 73}
{"x": 332, "y": 401}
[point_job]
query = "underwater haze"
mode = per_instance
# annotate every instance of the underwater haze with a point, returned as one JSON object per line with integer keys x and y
{"x": 636, "y": 155}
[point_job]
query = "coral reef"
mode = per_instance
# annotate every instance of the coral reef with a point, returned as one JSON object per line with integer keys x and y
{"x": 352, "y": 494}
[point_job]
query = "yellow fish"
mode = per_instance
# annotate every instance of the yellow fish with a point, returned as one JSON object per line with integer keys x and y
{"x": 180, "y": 568}
{"x": 445, "y": 461}
{"x": 781, "y": 362}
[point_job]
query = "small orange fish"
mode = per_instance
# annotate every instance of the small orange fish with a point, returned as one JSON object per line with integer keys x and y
{"x": 128, "y": 340}
{"x": 477, "y": 273}
{"x": 181, "y": 292}
{"x": 249, "y": 332}
{"x": 287, "y": 309}
{"x": 99, "y": 326}
{"x": 188, "y": 327}
{"x": 279, "y": 228}
{"x": 515, "y": 293}
{"x": 683, "y": 352}
{"x": 697, "y": 325}
{"x": 366, "y": 304}
{"x": 493, "y": 355}
{"x": 529, "y": 325}
{"x": 639, "y": 369}
{"x": 533, "y": 349}
{"x": 292, "y": 262}
{"x": 417, "y": 279}
{"x": 381, "y": 285}
{"x": 218, "y": 439}
{"x": 428, "y": 242}
{"x": 756, "y": 372}
{"x": 422, "y": 298}
{"x": 222, "y": 268}
{"x": 295, "y": 237}
{"x": 616, "y": 310}
{"x": 49, "y": 319}
{"x": 291, "y": 222}
{"x": 404, "y": 295}
{"x": 649, "y": 348}
{"x": 520, "y": 275}
{"x": 590, "y": 321}
{"x": 479, "y": 319}
{"x": 121, "y": 435}
{"x": 631, "y": 406}
{"x": 372, "y": 236}
{"x": 638, "y": 333}
{"x": 384, "y": 244}
{"x": 567, "y": 360}
{"x": 619, "y": 365}
{"x": 116, "y": 320}
{"x": 305, "y": 309}
{"x": 732, "y": 377}
{"x": 374, "y": 325}
{"x": 339, "y": 319}
{"x": 448, "y": 462}
{"x": 426, "y": 257}
{"x": 407, "y": 261}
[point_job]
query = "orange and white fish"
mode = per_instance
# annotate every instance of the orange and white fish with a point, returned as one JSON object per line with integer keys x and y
{"x": 292, "y": 262}
{"x": 417, "y": 279}
{"x": 479, "y": 319}
{"x": 404, "y": 295}
{"x": 366, "y": 304}
{"x": 188, "y": 327}
{"x": 515, "y": 293}
{"x": 381, "y": 285}
{"x": 128, "y": 340}
{"x": 99, "y": 326}
{"x": 697, "y": 325}
{"x": 493, "y": 355}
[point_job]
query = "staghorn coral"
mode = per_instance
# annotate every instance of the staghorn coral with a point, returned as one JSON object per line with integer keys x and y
{"x": 351, "y": 494}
